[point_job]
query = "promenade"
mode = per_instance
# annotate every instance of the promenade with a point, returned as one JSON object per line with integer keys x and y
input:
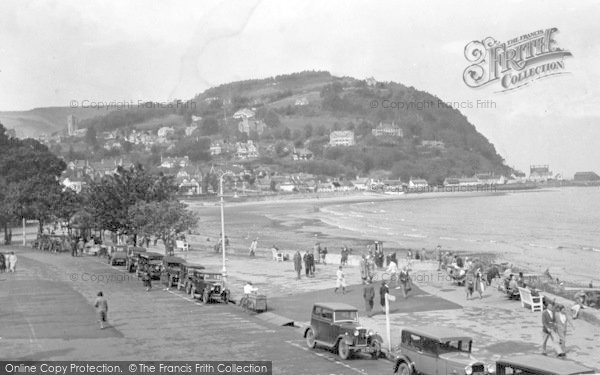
{"x": 498, "y": 326}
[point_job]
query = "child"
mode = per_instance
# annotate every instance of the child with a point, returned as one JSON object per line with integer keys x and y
{"x": 147, "y": 281}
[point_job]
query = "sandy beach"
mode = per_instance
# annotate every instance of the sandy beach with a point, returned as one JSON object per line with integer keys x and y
{"x": 297, "y": 222}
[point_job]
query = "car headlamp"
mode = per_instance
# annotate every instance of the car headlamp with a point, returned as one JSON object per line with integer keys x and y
{"x": 491, "y": 368}
{"x": 356, "y": 332}
{"x": 468, "y": 370}
{"x": 371, "y": 332}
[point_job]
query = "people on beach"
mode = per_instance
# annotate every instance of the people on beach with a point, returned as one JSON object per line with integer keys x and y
{"x": 383, "y": 290}
{"x": 469, "y": 285}
{"x": 548, "y": 325}
{"x": 324, "y": 255}
{"x": 521, "y": 280}
{"x": 369, "y": 297}
{"x": 253, "y": 246}
{"x": 439, "y": 257}
{"x": 80, "y": 246}
{"x": 580, "y": 299}
{"x": 479, "y": 286}
{"x": 340, "y": 281}
{"x": 317, "y": 252}
{"x": 392, "y": 270}
{"x": 513, "y": 285}
{"x": 2, "y": 263}
{"x": 309, "y": 266}
{"x": 364, "y": 271}
{"x": 561, "y": 321}
{"x": 101, "y": 305}
{"x": 298, "y": 264}
{"x": 370, "y": 267}
{"x": 11, "y": 262}
{"x": 147, "y": 280}
{"x": 404, "y": 278}
{"x": 344, "y": 256}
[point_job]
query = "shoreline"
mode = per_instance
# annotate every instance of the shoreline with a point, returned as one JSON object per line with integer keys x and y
{"x": 298, "y": 223}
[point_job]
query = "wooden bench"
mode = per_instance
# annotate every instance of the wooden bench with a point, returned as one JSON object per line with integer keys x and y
{"x": 182, "y": 245}
{"x": 534, "y": 302}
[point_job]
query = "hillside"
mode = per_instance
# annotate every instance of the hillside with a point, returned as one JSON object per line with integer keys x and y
{"x": 39, "y": 121}
{"x": 301, "y": 109}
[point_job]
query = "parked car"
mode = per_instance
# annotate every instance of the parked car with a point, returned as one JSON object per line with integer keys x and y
{"x": 336, "y": 326}
{"x": 535, "y": 364}
{"x": 209, "y": 285}
{"x": 150, "y": 262}
{"x": 185, "y": 276}
{"x": 132, "y": 258}
{"x": 437, "y": 351}
{"x": 171, "y": 268}
{"x": 118, "y": 256}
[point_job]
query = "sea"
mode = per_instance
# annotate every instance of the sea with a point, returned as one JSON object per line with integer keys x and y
{"x": 556, "y": 228}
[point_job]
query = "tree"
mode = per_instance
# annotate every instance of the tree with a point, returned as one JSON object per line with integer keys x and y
{"x": 209, "y": 126}
{"x": 165, "y": 220}
{"x": 91, "y": 137}
{"x": 109, "y": 199}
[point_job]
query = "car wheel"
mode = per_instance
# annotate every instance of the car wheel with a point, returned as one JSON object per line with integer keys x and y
{"x": 403, "y": 369}
{"x": 376, "y": 347}
{"x": 310, "y": 338}
{"x": 205, "y": 296}
{"x": 344, "y": 350}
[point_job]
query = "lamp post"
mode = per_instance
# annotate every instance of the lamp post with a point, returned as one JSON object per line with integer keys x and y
{"x": 222, "y": 221}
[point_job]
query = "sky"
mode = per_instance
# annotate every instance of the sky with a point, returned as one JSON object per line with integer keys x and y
{"x": 56, "y": 52}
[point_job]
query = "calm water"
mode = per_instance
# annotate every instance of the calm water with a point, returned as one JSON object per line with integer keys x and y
{"x": 559, "y": 228}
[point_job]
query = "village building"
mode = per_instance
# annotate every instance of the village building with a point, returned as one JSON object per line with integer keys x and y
{"x": 342, "y": 138}
{"x": 387, "y": 130}
{"x": 540, "y": 173}
{"x": 247, "y": 126}
{"x": 433, "y": 144}
{"x": 174, "y": 162}
{"x": 165, "y": 132}
{"x": 215, "y": 148}
{"x": 371, "y": 81}
{"x": 417, "y": 183}
{"x": 586, "y": 177}
{"x": 302, "y": 154}
{"x": 244, "y": 113}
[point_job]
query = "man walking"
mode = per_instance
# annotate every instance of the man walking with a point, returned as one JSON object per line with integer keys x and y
{"x": 383, "y": 290}
{"x": 364, "y": 271}
{"x": 101, "y": 305}
{"x": 369, "y": 296}
{"x": 307, "y": 266}
{"x": 561, "y": 321}
{"x": 340, "y": 281}
{"x": 298, "y": 264}
{"x": 253, "y": 247}
{"x": 12, "y": 262}
{"x": 548, "y": 325}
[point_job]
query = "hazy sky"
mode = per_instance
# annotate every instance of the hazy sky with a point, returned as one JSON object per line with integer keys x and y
{"x": 53, "y": 52}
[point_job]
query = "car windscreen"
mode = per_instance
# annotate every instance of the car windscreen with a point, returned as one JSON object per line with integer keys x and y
{"x": 345, "y": 316}
{"x": 454, "y": 346}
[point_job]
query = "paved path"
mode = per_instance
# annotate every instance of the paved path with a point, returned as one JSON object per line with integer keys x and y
{"x": 47, "y": 314}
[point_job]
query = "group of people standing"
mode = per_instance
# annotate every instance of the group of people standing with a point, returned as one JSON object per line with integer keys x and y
{"x": 369, "y": 296}
{"x": 554, "y": 322}
{"x": 8, "y": 262}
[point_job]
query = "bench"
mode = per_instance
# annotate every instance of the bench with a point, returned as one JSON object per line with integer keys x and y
{"x": 182, "y": 245}
{"x": 277, "y": 256}
{"x": 535, "y": 302}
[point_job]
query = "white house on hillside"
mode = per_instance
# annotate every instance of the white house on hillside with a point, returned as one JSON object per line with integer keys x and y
{"x": 342, "y": 138}
{"x": 417, "y": 183}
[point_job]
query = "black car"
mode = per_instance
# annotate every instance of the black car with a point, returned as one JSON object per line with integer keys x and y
{"x": 171, "y": 270}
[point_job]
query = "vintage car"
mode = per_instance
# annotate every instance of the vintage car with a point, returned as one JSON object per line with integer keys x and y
{"x": 185, "y": 273}
{"x": 336, "y": 326}
{"x": 150, "y": 262}
{"x": 132, "y": 258}
{"x": 171, "y": 268}
{"x": 118, "y": 256}
{"x": 437, "y": 351}
{"x": 536, "y": 364}
{"x": 209, "y": 285}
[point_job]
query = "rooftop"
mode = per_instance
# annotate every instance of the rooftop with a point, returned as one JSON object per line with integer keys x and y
{"x": 439, "y": 333}
{"x": 544, "y": 364}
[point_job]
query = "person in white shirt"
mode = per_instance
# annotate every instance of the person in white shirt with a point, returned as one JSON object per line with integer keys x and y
{"x": 249, "y": 289}
{"x": 12, "y": 261}
{"x": 340, "y": 281}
